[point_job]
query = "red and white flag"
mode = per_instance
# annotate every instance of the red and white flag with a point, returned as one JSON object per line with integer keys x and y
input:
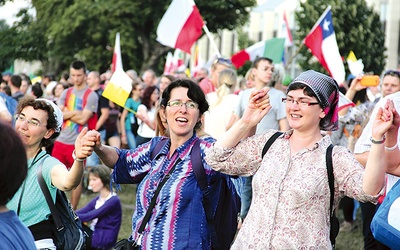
{"x": 181, "y": 25}
{"x": 323, "y": 45}
{"x": 117, "y": 59}
{"x": 286, "y": 32}
{"x": 168, "y": 64}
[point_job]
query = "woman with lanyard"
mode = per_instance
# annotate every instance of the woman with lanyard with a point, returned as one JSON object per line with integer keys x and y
{"x": 38, "y": 123}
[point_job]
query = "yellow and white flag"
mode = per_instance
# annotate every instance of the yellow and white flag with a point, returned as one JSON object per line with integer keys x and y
{"x": 356, "y": 67}
{"x": 118, "y": 88}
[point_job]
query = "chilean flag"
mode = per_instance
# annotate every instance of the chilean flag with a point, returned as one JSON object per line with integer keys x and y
{"x": 322, "y": 42}
{"x": 180, "y": 26}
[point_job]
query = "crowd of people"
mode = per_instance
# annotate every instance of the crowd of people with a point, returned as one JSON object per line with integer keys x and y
{"x": 71, "y": 130}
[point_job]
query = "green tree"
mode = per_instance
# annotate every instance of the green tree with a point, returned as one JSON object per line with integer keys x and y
{"x": 85, "y": 29}
{"x": 357, "y": 28}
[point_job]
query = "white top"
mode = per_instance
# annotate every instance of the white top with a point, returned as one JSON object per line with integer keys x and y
{"x": 217, "y": 117}
{"x": 144, "y": 130}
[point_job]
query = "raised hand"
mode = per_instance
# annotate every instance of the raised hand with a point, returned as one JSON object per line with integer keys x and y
{"x": 257, "y": 108}
{"x": 396, "y": 117}
{"x": 383, "y": 122}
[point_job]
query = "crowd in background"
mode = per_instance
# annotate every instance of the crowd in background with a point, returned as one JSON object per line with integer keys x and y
{"x": 228, "y": 96}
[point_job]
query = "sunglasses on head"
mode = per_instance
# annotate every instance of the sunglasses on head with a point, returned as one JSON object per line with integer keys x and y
{"x": 222, "y": 60}
{"x": 392, "y": 73}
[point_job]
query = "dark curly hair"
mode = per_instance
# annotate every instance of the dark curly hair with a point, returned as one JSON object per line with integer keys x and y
{"x": 195, "y": 93}
{"x": 51, "y": 121}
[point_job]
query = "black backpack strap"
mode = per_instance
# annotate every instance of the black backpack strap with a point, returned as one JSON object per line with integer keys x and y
{"x": 269, "y": 143}
{"x": 158, "y": 147}
{"x": 329, "y": 167}
{"x": 200, "y": 175}
{"x": 54, "y": 213}
{"x": 334, "y": 230}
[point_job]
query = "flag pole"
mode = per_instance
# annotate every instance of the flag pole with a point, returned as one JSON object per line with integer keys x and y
{"x": 211, "y": 39}
{"x": 293, "y": 56}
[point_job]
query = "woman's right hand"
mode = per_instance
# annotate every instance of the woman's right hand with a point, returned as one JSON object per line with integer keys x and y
{"x": 257, "y": 108}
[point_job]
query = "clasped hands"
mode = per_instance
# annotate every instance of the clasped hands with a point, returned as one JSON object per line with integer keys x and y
{"x": 86, "y": 142}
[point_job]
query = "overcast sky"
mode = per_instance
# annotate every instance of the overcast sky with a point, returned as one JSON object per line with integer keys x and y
{"x": 10, "y": 9}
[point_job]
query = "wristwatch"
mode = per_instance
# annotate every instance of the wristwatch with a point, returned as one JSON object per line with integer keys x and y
{"x": 76, "y": 158}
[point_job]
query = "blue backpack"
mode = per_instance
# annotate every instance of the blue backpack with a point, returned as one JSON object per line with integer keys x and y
{"x": 222, "y": 219}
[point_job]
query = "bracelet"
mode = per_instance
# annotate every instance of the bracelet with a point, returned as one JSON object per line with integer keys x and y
{"x": 76, "y": 158}
{"x": 378, "y": 142}
{"x": 392, "y": 148}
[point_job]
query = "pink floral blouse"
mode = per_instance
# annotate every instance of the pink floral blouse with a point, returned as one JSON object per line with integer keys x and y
{"x": 290, "y": 206}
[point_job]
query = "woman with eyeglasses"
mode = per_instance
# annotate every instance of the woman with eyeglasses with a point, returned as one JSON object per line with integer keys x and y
{"x": 178, "y": 220}
{"x": 38, "y": 123}
{"x": 291, "y": 196}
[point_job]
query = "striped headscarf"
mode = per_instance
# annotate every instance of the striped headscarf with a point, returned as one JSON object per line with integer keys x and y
{"x": 326, "y": 90}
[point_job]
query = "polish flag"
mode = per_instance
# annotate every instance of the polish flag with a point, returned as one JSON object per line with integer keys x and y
{"x": 286, "y": 32}
{"x": 322, "y": 42}
{"x": 272, "y": 48}
{"x": 117, "y": 59}
{"x": 168, "y": 64}
{"x": 181, "y": 25}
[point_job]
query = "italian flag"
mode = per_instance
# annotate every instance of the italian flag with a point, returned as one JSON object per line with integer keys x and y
{"x": 180, "y": 26}
{"x": 272, "y": 48}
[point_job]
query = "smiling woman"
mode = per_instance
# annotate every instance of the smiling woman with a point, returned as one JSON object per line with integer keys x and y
{"x": 291, "y": 196}
{"x": 180, "y": 198}
{"x": 38, "y": 123}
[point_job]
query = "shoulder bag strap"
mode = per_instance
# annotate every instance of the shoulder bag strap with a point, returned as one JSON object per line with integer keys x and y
{"x": 49, "y": 200}
{"x": 153, "y": 201}
{"x": 23, "y": 185}
{"x": 269, "y": 143}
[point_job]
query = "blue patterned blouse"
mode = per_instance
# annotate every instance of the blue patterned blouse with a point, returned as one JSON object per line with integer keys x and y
{"x": 178, "y": 220}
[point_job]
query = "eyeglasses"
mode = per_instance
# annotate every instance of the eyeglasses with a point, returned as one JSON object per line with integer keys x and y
{"x": 176, "y": 104}
{"x": 223, "y": 61}
{"x": 31, "y": 122}
{"x": 302, "y": 103}
{"x": 392, "y": 73}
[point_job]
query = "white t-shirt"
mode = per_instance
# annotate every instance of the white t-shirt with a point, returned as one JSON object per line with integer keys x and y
{"x": 144, "y": 130}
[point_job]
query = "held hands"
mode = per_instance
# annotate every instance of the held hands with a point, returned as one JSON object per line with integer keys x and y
{"x": 396, "y": 117}
{"x": 86, "y": 142}
{"x": 257, "y": 108}
{"x": 383, "y": 121}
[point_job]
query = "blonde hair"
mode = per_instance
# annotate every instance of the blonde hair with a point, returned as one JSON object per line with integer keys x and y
{"x": 227, "y": 82}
